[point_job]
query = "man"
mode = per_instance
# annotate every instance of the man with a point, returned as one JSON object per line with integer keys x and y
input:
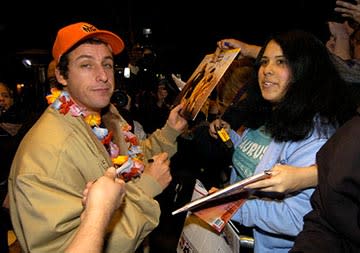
{"x": 76, "y": 139}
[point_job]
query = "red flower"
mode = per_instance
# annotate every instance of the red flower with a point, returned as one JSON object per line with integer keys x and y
{"x": 65, "y": 105}
{"x": 107, "y": 139}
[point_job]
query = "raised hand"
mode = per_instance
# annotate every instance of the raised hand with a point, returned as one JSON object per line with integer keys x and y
{"x": 349, "y": 10}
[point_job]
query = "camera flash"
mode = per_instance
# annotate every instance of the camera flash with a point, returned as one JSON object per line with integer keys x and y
{"x": 127, "y": 72}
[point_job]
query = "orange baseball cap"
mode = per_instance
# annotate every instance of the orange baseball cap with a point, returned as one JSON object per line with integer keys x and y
{"x": 69, "y": 35}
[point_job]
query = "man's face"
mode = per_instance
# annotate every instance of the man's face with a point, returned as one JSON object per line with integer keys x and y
{"x": 6, "y": 99}
{"x": 90, "y": 79}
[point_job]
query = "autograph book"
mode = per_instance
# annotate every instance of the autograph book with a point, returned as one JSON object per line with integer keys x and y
{"x": 203, "y": 81}
{"x": 210, "y": 229}
{"x": 222, "y": 194}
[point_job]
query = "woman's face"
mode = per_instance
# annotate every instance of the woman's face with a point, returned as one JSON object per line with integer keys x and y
{"x": 162, "y": 92}
{"x": 274, "y": 74}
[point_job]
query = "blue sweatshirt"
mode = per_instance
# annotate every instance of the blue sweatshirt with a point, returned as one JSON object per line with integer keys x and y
{"x": 277, "y": 222}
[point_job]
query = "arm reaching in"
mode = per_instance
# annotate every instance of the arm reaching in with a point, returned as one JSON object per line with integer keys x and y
{"x": 100, "y": 200}
{"x": 287, "y": 179}
{"x": 349, "y": 10}
{"x": 247, "y": 50}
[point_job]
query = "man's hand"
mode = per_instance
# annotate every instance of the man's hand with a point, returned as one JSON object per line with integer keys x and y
{"x": 159, "y": 169}
{"x": 175, "y": 120}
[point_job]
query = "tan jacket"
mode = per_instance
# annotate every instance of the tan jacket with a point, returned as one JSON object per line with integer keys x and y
{"x": 55, "y": 160}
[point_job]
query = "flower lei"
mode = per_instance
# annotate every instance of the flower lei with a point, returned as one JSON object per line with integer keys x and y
{"x": 127, "y": 166}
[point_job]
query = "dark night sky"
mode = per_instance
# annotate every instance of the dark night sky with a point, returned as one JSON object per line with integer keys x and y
{"x": 182, "y": 33}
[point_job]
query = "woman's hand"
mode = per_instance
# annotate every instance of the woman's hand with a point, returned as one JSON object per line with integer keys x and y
{"x": 216, "y": 125}
{"x": 287, "y": 179}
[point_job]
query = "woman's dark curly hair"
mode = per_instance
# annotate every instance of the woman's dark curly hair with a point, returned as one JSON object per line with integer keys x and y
{"x": 315, "y": 88}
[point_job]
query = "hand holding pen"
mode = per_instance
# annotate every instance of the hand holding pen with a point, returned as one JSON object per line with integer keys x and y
{"x": 158, "y": 167}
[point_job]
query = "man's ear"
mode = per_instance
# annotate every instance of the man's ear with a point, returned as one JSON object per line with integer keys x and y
{"x": 60, "y": 78}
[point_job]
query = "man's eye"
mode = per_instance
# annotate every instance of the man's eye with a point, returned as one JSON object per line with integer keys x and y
{"x": 109, "y": 66}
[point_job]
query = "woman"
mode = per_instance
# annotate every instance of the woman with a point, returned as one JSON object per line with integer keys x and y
{"x": 287, "y": 116}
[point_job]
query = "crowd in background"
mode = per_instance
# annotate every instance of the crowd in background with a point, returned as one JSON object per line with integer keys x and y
{"x": 145, "y": 99}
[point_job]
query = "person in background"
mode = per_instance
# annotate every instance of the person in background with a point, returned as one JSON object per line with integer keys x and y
{"x": 6, "y": 98}
{"x": 134, "y": 83}
{"x": 287, "y": 116}
{"x": 348, "y": 10}
{"x": 10, "y": 123}
{"x": 344, "y": 44}
{"x": 123, "y": 103}
{"x": 11, "y": 120}
{"x": 155, "y": 106}
{"x": 51, "y": 76}
{"x": 344, "y": 39}
{"x": 77, "y": 138}
{"x": 339, "y": 42}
